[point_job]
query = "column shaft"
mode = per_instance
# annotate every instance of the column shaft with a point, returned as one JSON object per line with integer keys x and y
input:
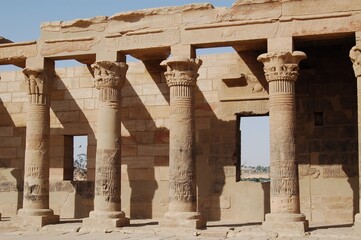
{"x": 107, "y": 214}
{"x": 107, "y": 173}
{"x": 283, "y": 169}
{"x": 281, "y": 71}
{"x": 182, "y": 181}
{"x": 181, "y": 77}
{"x": 36, "y": 171}
{"x": 35, "y": 212}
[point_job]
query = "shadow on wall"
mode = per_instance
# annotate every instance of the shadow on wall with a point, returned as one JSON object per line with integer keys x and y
{"x": 145, "y": 116}
{"x": 326, "y": 133}
{"x": 12, "y": 149}
{"x": 220, "y": 196}
{"x": 145, "y": 150}
{"x": 72, "y": 103}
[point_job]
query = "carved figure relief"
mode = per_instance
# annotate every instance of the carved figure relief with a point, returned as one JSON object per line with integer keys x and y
{"x": 355, "y": 55}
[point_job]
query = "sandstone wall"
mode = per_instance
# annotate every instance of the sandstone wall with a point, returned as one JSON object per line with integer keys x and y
{"x": 228, "y": 84}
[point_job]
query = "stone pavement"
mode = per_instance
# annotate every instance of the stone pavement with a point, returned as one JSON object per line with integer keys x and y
{"x": 150, "y": 230}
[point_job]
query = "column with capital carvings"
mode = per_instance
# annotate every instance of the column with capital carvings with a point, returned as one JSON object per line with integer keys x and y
{"x": 355, "y": 55}
{"x": 181, "y": 76}
{"x": 281, "y": 72}
{"x": 109, "y": 80}
{"x": 35, "y": 211}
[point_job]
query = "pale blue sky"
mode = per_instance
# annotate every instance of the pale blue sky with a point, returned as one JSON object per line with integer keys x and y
{"x": 20, "y": 21}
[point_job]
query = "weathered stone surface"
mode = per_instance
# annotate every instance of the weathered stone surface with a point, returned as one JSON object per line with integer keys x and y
{"x": 325, "y": 127}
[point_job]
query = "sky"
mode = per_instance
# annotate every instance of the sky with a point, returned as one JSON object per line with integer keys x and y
{"x": 20, "y": 20}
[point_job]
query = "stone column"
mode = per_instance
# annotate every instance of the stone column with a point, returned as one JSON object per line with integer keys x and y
{"x": 181, "y": 76}
{"x": 355, "y": 55}
{"x": 281, "y": 72}
{"x": 109, "y": 80}
{"x": 35, "y": 211}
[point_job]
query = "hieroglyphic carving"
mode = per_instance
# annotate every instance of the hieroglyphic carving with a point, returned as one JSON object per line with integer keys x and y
{"x": 37, "y": 86}
{"x": 109, "y": 79}
{"x": 182, "y": 186}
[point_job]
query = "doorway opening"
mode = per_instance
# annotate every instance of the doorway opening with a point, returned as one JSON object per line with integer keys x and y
{"x": 253, "y": 147}
{"x": 75, "y": 157}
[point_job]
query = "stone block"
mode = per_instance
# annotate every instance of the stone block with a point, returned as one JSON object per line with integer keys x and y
{"x": 76, "y": 105}
{"x": 129, "y": 150}
{"x": 99, "y": 223}
{"x": 153, "y": 150}
{"x": 5, "y": 97}
{"x": 89, "y": 104}
{"x": 34, "y": 222}
{"x": 79, "y": 93}
{"x": 19, "y": 97}
{"x": 3, "y": 87}
{"x": 185, "y": 220}
{"x": 285, "y": 223}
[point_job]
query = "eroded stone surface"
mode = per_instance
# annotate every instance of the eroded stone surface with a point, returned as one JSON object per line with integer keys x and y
{"x": 109, "y": 80}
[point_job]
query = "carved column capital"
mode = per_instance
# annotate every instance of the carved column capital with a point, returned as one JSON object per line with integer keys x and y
{"x": 281, "y": 66}
{"x": 181, "y": 71}
{"x": 355, "y": 55}
{"x": 38, "y": 86}
{"x": 109, "y": 79}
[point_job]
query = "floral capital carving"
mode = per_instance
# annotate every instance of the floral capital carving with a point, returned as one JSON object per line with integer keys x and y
{"x": 37, "y": 85}
{"x": 281, "y": 65}
{"x": 109, "y": 74}
{"x": 355, "y": 55}
{"x": 109, "y": 79}
{"x": 181, "y": 71}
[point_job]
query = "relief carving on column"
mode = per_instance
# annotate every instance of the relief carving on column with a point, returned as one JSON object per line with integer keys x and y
{"x": 281, "y": 65}
{"x": 37, "y": 85}
{"x": 181, "y": 71}
{"x": 355, "y": 55}
{"x": 109, "y": 79}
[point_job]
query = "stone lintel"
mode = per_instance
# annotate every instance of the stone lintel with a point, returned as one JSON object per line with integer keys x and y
{"x": 124, "y": 16}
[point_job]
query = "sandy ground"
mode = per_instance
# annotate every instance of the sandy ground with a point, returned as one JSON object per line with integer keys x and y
{"x": 150, "y": 230}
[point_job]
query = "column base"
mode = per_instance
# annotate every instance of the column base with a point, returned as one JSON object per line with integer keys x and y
{"x": 104, "y": 221}
{"x": 357, "y": 223}
{"x": 192, "y": 220}
{"x": 290, "y": 223}
{"x": 34, "y": 219}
